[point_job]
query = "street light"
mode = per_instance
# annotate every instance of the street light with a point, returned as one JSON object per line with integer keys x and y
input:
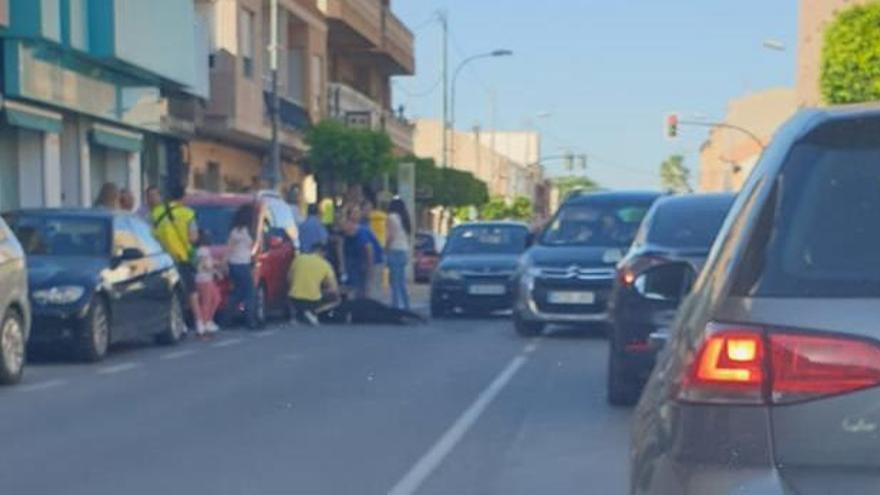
{"x": 494, "y": 53}
{"x": 774, "y": 45}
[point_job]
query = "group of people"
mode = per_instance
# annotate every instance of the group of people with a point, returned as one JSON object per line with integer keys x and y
{"x": 348, "y": 252}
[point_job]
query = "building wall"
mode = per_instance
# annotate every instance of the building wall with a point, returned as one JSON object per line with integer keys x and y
{"x": 813, "y": 17}
{"x": 729, "y": 155}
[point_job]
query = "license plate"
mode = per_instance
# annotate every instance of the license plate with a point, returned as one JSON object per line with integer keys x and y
{"x": 487, "y": 290}
{"x": 571, "y": 297}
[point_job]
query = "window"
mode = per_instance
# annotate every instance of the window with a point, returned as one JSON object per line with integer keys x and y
{"x": 124, "y": 236}
{"x": 145, "y": 237}
{"x": 598, "y": 223}
{"x": 49, "y": 235}
{"x": 246, "y": 23}
{"x": 688, "y": 223}
{"x": 487, "y": 239}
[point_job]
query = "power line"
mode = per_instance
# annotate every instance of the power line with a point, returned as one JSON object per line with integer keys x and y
{"x": 423, "y": 93}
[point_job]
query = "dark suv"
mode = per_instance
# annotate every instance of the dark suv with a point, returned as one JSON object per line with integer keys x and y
{"x": 770, "y": 382}
{"x": 566, "y": 276}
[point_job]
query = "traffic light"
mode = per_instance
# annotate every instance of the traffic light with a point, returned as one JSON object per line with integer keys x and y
{"x": 672, "y": 126}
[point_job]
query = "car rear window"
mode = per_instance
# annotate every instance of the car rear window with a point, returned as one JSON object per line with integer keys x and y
{"x": 688, "y": 224}
{"x": 825, "y": 235}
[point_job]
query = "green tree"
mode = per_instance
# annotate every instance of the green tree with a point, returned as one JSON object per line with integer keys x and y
{"x": 570, "y": 183}
{"x": 674, "y": 176}
{"x": 521, "y": 209}
{"x": 341, "y": 154}
{"x": 850, "y": 71}
{"x": 494, "y": 209}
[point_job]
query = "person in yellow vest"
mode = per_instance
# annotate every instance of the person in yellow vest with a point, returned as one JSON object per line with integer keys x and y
{"x": 175, "y": 227}
{"x": 313, "y": 287}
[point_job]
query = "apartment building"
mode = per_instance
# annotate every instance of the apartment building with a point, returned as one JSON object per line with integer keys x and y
{"x": 367, "y": 46}
{"x": 85, "y": 96}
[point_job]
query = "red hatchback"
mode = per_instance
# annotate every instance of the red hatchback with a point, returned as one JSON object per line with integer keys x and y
{"x": 273, "y": 252}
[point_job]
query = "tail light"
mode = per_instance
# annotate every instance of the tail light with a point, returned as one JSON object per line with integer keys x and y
{"x": 751, "y": 366}
{"x": 627, "y": 274}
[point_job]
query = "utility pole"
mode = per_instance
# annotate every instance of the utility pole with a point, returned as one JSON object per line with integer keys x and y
{"x": 444, "y": 23}
{"x": 274, "y": 172}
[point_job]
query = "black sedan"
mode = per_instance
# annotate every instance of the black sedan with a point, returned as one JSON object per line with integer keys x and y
{"x": 669, "y": 250}
{"x": 477, "y": 267}
{"x": 97, "y": 277}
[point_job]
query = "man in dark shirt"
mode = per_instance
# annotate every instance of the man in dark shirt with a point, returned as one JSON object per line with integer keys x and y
{"x": 359, "y": 257}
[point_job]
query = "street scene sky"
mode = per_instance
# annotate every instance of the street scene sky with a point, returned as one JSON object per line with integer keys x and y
{"x": 598, "y": 76}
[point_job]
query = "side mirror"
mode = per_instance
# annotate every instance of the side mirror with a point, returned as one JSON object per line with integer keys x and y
{"x": 669, "y": 282}
{"x": 128, "y": 254}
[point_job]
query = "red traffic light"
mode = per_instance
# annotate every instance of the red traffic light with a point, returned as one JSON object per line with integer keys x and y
{"x": 672, "y": 125}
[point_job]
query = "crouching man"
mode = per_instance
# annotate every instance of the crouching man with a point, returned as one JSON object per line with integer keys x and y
{"x": 313, "y": 287}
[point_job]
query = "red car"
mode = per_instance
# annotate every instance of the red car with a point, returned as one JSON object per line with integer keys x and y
{"x": 426, "y": 255}
{"x": 276, "y": 242}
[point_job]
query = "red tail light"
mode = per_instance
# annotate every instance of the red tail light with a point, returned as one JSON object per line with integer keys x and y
{"x": 628, "y": 274}
{"x": 745, "y": 366}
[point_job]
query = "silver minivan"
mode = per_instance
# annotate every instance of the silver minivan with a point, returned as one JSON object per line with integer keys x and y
{"x": 15, "y": 314}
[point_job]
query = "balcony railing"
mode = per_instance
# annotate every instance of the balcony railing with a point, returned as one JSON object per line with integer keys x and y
{"x": 400, "y": 131}
{"x": 358, "y": 110}
{"x": 291, "y": 114}
{"x": 397, "y": 43}
{"x": 362, "y": 16}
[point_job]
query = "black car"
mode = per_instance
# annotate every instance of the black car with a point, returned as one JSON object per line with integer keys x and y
{"x": 669, "y": 250}
{"x": 97, "y": 277}
{"x": 566, "y": 277}
{"x": 769, "y": 383}
{"x": 477, "y": 266}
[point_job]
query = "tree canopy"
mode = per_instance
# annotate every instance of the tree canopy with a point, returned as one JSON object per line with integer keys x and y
{"x": 674, "y": 176}
{"x": 338, "y": 153}
{"x": 850, "y": 70}
{"x": 436, "y": 186}
{"x": 498, "y": 208}
{"x": 570, "y": 183}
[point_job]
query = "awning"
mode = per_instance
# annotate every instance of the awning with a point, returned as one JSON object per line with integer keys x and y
{"x": 30, "y": 117}
{"x": 118, "y": 139}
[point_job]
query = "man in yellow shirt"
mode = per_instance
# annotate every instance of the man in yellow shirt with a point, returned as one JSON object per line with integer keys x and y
{"x": 313, "y": 287}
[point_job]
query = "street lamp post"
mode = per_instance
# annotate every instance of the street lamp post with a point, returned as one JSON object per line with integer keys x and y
{"x": 495, "y": 53}
{"x": 274, "y": 173}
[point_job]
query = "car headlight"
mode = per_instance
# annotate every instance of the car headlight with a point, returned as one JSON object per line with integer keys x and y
{"x": 448, "y": 275}
{"x": 59, "y": 295}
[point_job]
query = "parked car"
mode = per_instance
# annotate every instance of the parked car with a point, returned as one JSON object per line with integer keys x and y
{"x": 566, "y": 276}
{"x": 276, "y": 237}
{"x": 668, "y": 252}
{"x": 770, "y": 382}
{"x": 426, "y": 256}
{"x": 15, "y": 309}
{"x": 97, "y": 277}
{"x": 477, "y": 266}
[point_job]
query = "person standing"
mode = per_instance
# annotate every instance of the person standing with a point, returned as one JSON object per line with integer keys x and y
{"x": 312, "y": 231}
{"x": 152, "y": 199}
{"x": 399, "y": 230}
{"x": 206, "y": 286}
{"x": 374, "y": 220}
{"x": 239, "y": 257}
{"x": 126, "y": 200}
{"x": 358, "y": 256}
{"x": 175, "y": 227}
{"x": 108, "y": 196}
{"x": 313, "y": 288}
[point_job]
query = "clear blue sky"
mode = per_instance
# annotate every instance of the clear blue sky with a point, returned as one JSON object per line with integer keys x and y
{"x": 606, "y": 70}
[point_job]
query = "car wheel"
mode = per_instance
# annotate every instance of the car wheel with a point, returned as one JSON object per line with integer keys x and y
{"x": 438, "y": 309}
{"x": 12, "y": 348}
{"x": 621, "y": 388}
{"x": 176, "y": 326}
{"x": 526, "y": 328}
{"x": 261, "y": 309}
{"x": 94, "y": 335}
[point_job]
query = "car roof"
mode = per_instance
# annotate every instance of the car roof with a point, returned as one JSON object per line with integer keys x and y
{"x": 696, "y": 200}
{"x": 492, "y": 223}
{"x": 601, "y": 196}
{"x": 197, "y": 198}
{"x": 72, "y": 212}
{"x": 809, "y": 118}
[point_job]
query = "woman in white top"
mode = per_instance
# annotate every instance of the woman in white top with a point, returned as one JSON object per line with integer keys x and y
{"x": 239, "y": 249}
{"x": 397, "y": 232}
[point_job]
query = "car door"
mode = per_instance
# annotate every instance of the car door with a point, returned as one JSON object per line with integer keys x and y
{"x": 126, "y": 279}
{"x": 157, "y": 279}
{"x": 277, "y": 248}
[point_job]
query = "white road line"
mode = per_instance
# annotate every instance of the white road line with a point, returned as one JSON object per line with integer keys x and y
{"x": 227, "y": 342}
{"x": 118, "y": 368}
{"x": 41, "y": 386}
{"x": 177, "y": 354}
{"x": 265, "y": 333}
{"x": 432, "y": 459}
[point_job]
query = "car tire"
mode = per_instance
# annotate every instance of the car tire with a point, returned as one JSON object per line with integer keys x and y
{"x": 12, "y": 347}
{"x": 439, "y": 309}
{"x": 176, "y": 326}
{"x": 93, "y": 338}
{"x": 622, "y": 390}
{"x": 261, "y": 307}
{"x": 526, "y": 328}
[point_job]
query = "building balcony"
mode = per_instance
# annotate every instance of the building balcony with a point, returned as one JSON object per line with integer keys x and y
{"x": 356, "y": 109}
{"x": 400, "y": 131}
{"x": 290, "y": 114}
{"x": 397, "y": 45}
{"x": 356, "y": 24}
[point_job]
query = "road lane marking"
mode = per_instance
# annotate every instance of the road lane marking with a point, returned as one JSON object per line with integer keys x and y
{"x": 117, "y": 368}
{"x": 265, "y": 333}
{"x": 41, "y": 386}
{"x": 227, "y": 343}
{"x": 177, "y": 354}
{"x": 434, "y": 457}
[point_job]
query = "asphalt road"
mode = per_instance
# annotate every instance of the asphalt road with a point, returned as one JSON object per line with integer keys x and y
{"x": 453, "y": 407}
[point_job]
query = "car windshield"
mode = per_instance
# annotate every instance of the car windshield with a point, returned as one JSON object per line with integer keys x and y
{"x": 487, "y": 239}
{"x": 598, "y": 224}
{"x": 47, "y": 235}
{"x": 215, "y": 221}
{"x": 688, "y": 224}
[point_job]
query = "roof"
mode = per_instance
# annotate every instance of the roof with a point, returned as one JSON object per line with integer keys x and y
{"x": 687, "y": 200}
{"x": 589, "y": 197}
{"x": 493, "y": 223}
